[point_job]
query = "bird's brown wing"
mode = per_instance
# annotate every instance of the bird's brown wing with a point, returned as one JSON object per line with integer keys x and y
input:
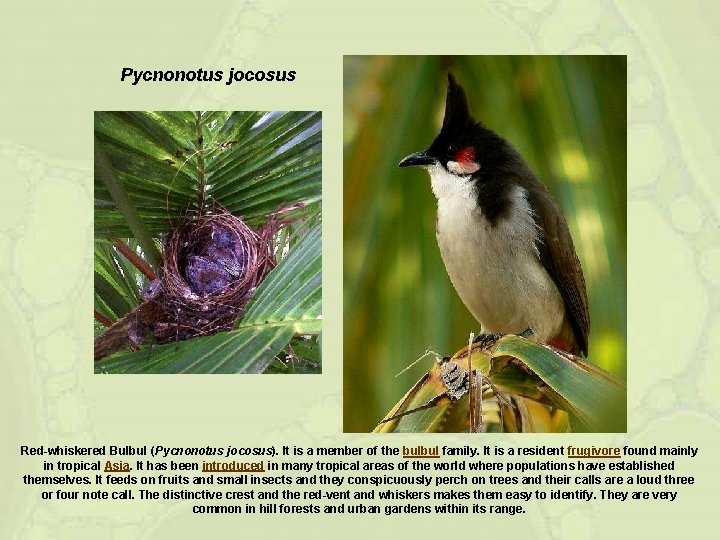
{"x": 558, "y": 256}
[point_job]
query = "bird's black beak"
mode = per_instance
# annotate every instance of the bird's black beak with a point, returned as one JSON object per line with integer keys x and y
{"x": 418, "y": 158}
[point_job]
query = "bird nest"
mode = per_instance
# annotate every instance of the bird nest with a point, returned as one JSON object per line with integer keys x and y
{"x": 211, "y": 266}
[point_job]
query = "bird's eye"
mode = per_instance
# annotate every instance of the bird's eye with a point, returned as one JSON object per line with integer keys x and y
{"x": 451, "y": 149}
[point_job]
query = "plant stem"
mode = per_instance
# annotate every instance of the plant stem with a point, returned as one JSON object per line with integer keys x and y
{"x": 125, "y": 206}
{"x": 117, "y": 336}
{"x": 102, "y": 319}
{"x": 134, "y": 259}
{"x": 201, "y": 163}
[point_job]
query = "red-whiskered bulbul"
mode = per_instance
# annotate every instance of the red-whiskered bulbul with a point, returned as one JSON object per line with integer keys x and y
{"x": 503, "y": 238}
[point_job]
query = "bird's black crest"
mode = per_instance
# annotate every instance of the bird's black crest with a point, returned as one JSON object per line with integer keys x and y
{"x": 457, "y": 112}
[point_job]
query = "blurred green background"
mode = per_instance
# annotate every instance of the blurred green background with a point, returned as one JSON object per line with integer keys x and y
{"x": 567, "y": 117}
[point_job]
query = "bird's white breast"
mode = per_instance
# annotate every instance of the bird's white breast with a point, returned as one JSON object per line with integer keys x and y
{"x": 495, "y": 268}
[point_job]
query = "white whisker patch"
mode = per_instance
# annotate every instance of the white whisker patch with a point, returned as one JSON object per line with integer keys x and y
{"x": 463, "y": 168}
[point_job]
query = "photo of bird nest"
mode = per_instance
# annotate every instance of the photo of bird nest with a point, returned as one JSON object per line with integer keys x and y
{"x": 211, "y": 267}
{"x": 214, "y": 265}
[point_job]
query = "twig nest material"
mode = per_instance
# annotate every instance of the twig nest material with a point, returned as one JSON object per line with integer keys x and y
{"x": 211, "y": 267}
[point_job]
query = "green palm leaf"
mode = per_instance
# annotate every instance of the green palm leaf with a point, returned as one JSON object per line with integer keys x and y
{"x": 524, "y": 385}
{"x": 255, "y": 163}
{"x": 116, "y": 282}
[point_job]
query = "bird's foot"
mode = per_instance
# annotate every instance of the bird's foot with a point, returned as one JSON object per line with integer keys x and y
{"x": 526, "y": 333}
{"x": 486, "y": 340}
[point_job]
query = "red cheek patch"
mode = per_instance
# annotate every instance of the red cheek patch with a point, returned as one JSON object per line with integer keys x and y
{"x": 464, "y": 162}
{"x": 465, "y": 155}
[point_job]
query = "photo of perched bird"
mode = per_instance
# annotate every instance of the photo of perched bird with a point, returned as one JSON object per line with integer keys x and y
{"x": 503, "y": 238}
{"x": 514, "y": 236}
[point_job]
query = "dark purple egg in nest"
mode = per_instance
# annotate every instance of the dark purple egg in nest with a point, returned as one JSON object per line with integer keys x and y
{"x": 211, "y": 267}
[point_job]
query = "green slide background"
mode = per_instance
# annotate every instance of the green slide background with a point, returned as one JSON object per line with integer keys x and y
{"x": 62, "y": 61}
